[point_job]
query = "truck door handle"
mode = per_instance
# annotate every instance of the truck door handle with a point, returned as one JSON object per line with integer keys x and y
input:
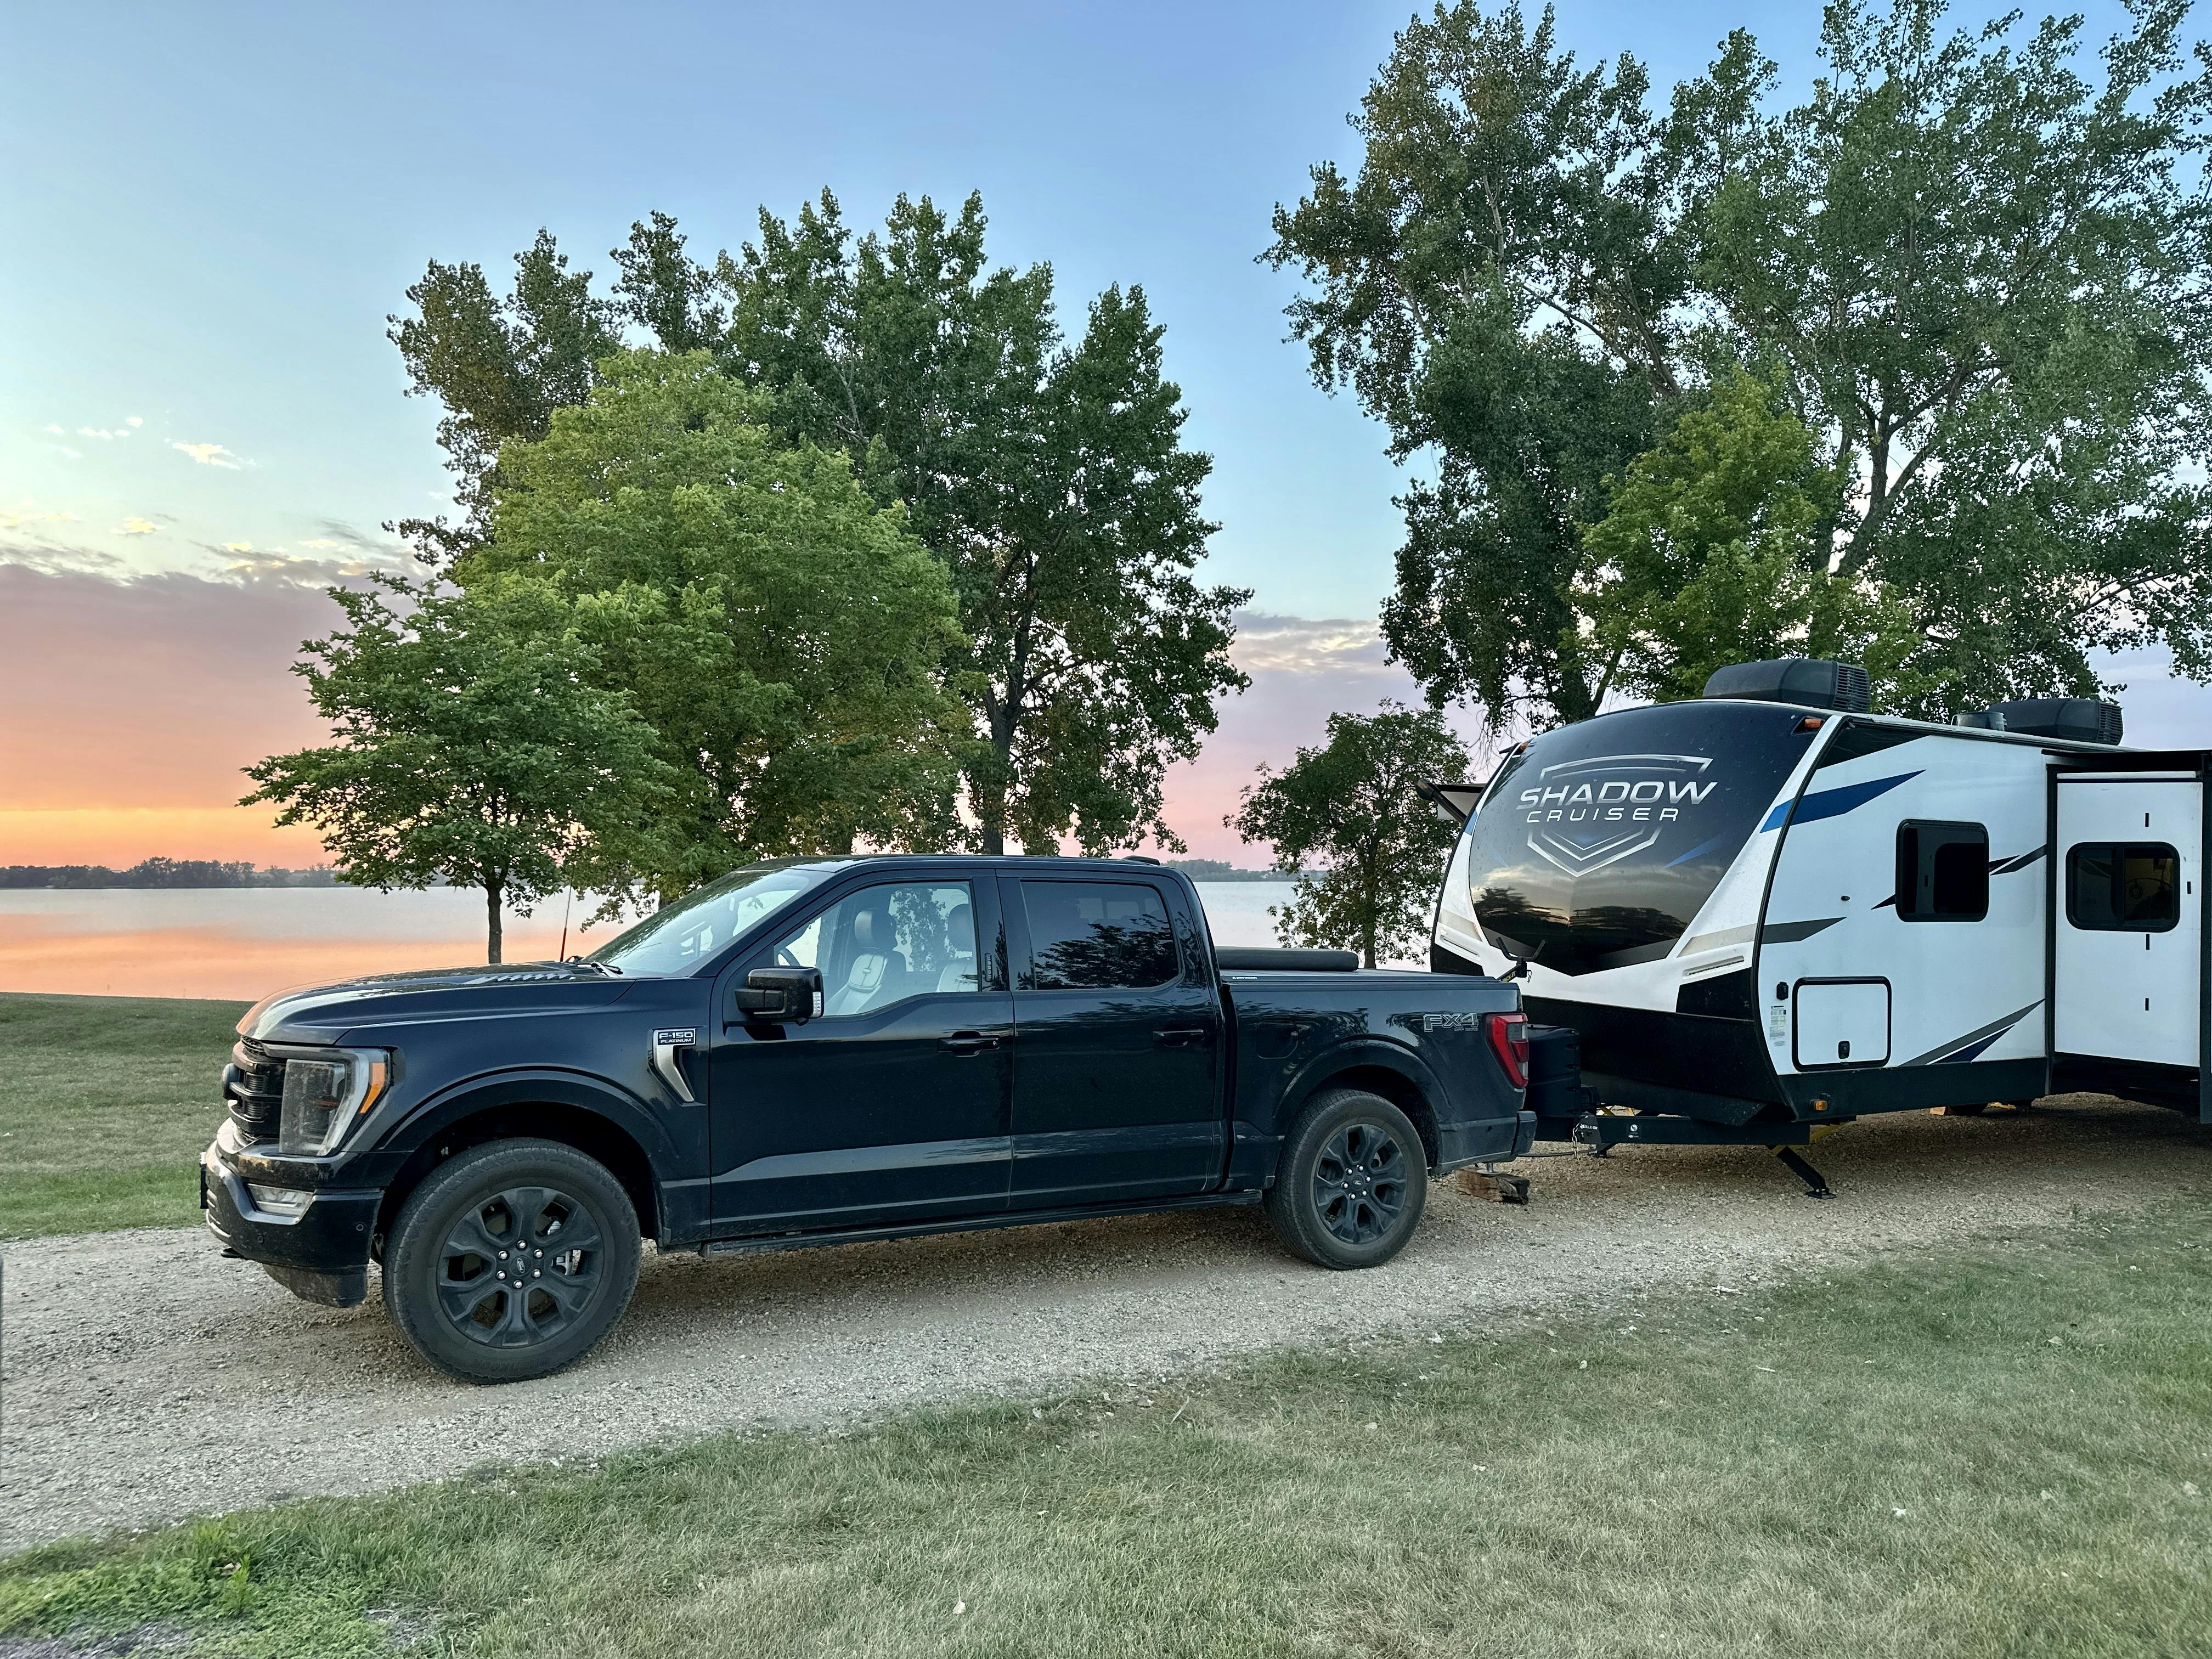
{"x": 968, "y": 1043}
{"x": 1186, "y": 1036}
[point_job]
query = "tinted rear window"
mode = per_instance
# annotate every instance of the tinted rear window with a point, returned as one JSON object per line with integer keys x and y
{"x": 1097, "y": 936}
{"x": 1600, "y": 841}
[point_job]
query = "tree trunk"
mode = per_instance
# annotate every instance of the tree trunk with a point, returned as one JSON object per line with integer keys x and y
{"x": 494, "y": 889}
{"x": 989, "y": 794}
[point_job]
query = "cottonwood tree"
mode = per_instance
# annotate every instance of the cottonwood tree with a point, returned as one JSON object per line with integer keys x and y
{"x": 1353, "y": 808}
{"x": 1978, "y": 271}
{"x": 1714, "y": 551}
{"x": 1049, "y": 478}
{"x": 477, "y": 745}
{"x": 500, "y": 365}
{"x": 781, "y": 634}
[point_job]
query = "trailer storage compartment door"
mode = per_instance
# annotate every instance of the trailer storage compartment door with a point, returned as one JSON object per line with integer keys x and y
{"x": 1840, "y": 1021}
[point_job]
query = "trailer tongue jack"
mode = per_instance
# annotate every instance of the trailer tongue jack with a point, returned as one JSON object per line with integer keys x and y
{"x": 1603, "y": 1130}
{"x": 1816, "y": 1184}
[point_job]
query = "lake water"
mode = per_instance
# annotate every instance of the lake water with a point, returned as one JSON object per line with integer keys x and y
{"x": 244, "y": 943}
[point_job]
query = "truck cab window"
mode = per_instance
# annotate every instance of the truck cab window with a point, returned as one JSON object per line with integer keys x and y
{"x": 1942, "y": 871}
{"x": 885, "y": 944}
{"x": 1097, "y": 936}
{"x": 2123, "y": 887}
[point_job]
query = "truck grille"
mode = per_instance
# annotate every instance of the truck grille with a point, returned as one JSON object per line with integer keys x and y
{"x": 253, "y": 1088}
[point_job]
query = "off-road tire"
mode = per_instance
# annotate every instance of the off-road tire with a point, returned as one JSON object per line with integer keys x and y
{"x": 1352, "y": 1180}
{"x": 558, "y": 1214}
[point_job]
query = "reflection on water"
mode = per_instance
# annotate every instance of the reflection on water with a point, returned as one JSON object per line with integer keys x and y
{"x": 244, "y": 943}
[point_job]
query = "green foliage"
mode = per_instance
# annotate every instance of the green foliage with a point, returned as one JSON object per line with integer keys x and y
{"x": 1352, "y": 807}
{"x": 1048, "y": 478}
{"x": 500, "y": 366}
{"x": 1712, "y": 553}
{"x": 780, "y": 636}
{"x": 475, "y": 746}
{"x": 1979, "y": 273}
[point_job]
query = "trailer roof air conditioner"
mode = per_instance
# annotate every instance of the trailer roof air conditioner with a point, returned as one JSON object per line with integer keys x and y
{"x": 1811, "y": 681}
{"x": 2083, "y": 719}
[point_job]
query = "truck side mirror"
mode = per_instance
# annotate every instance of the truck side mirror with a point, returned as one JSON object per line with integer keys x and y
{"x": 780, "y": 995}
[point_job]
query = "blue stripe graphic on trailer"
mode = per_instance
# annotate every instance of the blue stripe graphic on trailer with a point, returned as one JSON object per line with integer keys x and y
{"x": 1970, "y": 1043}
{"x": 1698, "y": 851}
{"x": 1834, "y": 803}
{"x": 1969, "y": 1052}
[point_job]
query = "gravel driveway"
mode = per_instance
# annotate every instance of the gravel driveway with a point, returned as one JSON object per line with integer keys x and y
{"x": 147, "y": 1378}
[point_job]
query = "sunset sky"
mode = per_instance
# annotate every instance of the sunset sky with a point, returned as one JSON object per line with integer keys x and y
{"x": 211, "y": 209}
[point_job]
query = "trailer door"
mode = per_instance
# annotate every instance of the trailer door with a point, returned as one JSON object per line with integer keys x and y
{"x": 2127, "y": 968}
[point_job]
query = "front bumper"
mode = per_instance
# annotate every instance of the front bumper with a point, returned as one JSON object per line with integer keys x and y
{"x": 321, "y": 1254}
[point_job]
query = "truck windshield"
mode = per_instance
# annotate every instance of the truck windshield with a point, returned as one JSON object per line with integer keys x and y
{"x": 1601, "y": 841}
{"x": 680, "y": 935}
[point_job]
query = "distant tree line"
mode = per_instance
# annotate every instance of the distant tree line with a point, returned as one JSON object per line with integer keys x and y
{"x": 1217, "y": 870}
{"x": 163, "y": 872}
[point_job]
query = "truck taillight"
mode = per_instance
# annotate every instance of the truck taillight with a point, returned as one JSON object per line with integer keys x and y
{"x": 1509, "y": 1040}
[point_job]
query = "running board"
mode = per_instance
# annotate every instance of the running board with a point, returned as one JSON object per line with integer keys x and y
{"x": 760, "y": 1244}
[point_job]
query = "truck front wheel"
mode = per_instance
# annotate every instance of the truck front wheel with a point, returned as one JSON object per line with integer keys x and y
{"x": 1352, "y": 1180}
{"x": 511, "y": 1260}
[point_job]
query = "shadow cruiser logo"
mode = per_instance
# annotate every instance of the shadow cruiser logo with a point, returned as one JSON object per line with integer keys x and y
{"x": 1585, "y": 814}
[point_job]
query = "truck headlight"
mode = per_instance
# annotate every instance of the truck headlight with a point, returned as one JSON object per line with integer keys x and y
{"x": 325, "y": 1094}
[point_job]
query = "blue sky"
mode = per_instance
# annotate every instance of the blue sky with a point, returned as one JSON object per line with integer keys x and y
{"x": 210, "y": 210}
{"x": 213, "y": 206}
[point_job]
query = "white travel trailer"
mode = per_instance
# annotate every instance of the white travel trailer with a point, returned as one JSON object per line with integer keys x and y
{"x": 1767, "y": 908}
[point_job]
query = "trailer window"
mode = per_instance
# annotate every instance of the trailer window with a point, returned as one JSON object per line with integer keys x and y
{"x": 2123, "y": 887}
{"x": 1942, "y": 871}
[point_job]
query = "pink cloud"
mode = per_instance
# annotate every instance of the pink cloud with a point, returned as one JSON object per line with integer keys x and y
{"x": 149, "y": 693}
{"x": 1302, "y": 671}
{"x": 127, "y": 709}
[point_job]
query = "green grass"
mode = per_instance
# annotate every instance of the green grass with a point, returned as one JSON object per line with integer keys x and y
{"x": 1987, "y": 1453}
{"x": 105, "y": 1103}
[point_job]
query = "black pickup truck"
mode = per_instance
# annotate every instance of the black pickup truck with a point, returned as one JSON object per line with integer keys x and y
{"x": 820, "y": 1051}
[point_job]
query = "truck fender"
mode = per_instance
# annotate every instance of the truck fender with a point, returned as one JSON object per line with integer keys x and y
{"x": 531, "y": 1086}
{"x": 1375, "y": 1053}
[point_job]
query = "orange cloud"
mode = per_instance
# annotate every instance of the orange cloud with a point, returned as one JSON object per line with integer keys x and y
{"x": 127, "y": 709}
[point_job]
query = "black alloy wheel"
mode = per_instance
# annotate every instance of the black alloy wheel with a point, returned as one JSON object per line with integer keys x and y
{"x": 520, "y": 1266}
{"x": 511, "y": 1260}
{"x": 1353, "y": 1181}
{"x": 1360, "y": 1181}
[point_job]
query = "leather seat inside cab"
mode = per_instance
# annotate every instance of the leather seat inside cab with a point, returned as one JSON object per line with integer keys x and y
{"x": 959, "y": 973}
{"x": 875, "y": 973}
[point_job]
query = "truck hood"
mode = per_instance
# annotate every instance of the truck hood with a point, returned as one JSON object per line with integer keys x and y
{"x": 324, "y": 1013}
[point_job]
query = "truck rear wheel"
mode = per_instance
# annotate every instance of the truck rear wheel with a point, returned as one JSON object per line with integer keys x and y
{"x": 1353, "y": 1177}
{"x": 511, "y": 1260}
